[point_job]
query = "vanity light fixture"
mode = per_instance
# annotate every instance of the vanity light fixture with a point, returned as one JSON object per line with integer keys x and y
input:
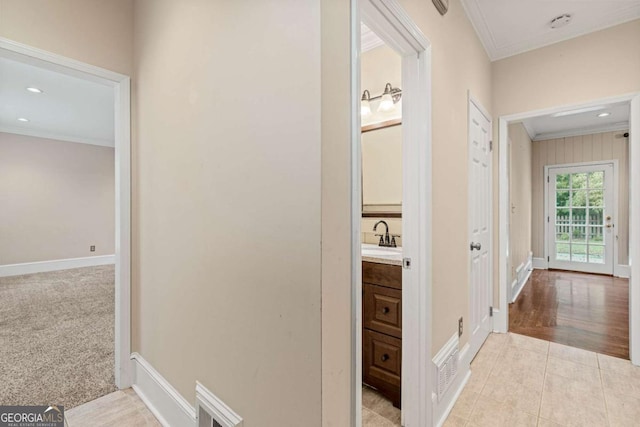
{"x": 33, "y": 89}
{"x": 365, "y": 106}
{"x": 388, "y": 99}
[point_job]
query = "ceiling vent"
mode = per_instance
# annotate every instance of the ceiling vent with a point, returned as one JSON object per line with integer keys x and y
{"x": 559, "y": 21}
{"x": 213, "y": 412}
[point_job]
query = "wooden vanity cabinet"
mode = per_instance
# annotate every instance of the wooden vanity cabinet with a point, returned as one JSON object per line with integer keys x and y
{"x": 382, "y": 328}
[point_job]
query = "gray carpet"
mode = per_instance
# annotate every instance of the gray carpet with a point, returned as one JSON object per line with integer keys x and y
{"x": 57, "y": 337}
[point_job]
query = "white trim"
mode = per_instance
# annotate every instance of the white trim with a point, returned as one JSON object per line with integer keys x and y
{"x": 502, "y": 321}
{"x": 394, "y": 26}
{"x": 580, "y": 132}
{"x": 547, "y": 252}
{"x": 213, "y": 405}
{"x": 164, "y": 401}
{"x": 540, "y": 264}
{"x": 442, "y": 409}
{"x": 58, "y": 137}
{"x": 622, "y": 270}
{"x": 54, "y": 265}
{"x": 521, "y": 278}
{"x": 122, "y": 106}
{"x": 634, "y": 231}
{"x": 529, "y": 129}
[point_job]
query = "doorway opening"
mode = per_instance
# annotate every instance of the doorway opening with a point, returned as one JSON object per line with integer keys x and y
{"x": 398, "y": 303}
{"x": 567, "y": 184}
{"x": 119, "y": 94}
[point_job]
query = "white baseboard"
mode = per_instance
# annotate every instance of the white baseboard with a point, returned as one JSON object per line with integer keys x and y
{"x": 442, "y": 409}
{"x": 55, "y": 265}
{"x": 164, "y": 401}
{"x": 622, "y": 270}
{"x": 540, "y": 264}
{"x": 523, "y": 274}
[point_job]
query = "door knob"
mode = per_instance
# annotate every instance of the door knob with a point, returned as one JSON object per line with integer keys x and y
{"x": 476, "y": 246}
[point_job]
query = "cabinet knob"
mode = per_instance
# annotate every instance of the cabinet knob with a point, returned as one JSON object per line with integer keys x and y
{"x": 385, "y": 357}
{"x": 385, "y": 310}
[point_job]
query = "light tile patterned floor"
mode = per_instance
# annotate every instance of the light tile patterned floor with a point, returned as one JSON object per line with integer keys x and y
{"x": 523, "y": 381}
{"x": 122, "y": 408}
{"x": 377, "y": 411}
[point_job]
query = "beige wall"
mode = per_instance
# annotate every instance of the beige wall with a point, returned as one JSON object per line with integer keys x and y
{"x": 57, "y": 199}
{"x": 229, "y": 181}
{"x": 459, "y": 64}
{"x": 564, "y": 73}
{"x": 93, "y": 31}
{"x": 577, "y": 149}
{"x": 520, "y": 197}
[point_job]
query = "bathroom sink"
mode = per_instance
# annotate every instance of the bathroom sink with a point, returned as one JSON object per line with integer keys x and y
{"x": 380, "y": 251}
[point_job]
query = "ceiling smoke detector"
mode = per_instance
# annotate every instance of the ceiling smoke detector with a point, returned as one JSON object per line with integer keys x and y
{"x": 560, "y": 21}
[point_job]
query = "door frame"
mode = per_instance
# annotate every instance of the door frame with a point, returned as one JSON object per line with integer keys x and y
{"x": 501, "y": 317}
{"x": 546, "y": 194}
{"x": 122, "y": 91}
{"x": 394, "y": 26}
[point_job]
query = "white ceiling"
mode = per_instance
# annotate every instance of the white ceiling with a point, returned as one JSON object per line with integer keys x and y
{"x": 549, "y": 127}
{"x": 69, "y": 109}
{"x": 368, "y": 39}
{"x": 509, "y": 27}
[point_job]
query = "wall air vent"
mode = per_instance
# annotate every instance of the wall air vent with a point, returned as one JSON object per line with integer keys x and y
{"x": 213, "y": 412}
{"x": 446, "y": 363}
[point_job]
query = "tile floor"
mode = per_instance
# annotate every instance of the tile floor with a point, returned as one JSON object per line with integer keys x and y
{"x": 522, "y": 381}
{"x": 122, "y": 408}
{"x": 377, "y": 411}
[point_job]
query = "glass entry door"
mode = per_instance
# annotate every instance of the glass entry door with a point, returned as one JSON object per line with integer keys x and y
{"x": 580, "y": 218}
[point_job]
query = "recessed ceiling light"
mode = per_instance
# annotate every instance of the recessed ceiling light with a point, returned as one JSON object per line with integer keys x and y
{"x": 22, "y": 119}
{"x": 604, "y": 114}
{"x": 34, "y": 89}
{"x": 560, "y": 21}
{"x": 578, "y": 111}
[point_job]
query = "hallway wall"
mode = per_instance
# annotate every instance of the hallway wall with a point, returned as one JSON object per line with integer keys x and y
{"x": 520, "y": 198}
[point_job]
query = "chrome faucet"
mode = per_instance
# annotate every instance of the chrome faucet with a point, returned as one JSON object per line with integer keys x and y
{"x": 384, "y": 239}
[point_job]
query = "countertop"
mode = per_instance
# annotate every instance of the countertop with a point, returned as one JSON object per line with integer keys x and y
{"x": 381, "y": 255}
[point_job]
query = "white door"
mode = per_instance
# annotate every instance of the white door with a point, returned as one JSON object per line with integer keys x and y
{"x": 479, "y": 226}
{"x": 581, "y": 208}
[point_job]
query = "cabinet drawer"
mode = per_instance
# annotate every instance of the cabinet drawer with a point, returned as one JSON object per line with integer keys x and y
{"x": 382, "y": 359}
{"x": 383, "y": 309}
{"x": 382, "y": 274}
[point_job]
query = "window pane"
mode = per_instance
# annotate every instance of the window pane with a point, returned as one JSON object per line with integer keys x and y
{"x": 578, "y": 180}
{"x": 596, "y": 254}
{"x": 596, "y": 216}
{"x": 562, "y": 252}
{"x": 596, "y": 234}
{"x": 579, "y": 198}
{"x": 596, "y": 179}
{"x": 579, "y": 234}
{"x": 578, "y": 253}
{"x": 579, "y": 216}
{"x": 562, "y": 181}
{"x": 562, "y": 198}
{"x": 596, "y": 198}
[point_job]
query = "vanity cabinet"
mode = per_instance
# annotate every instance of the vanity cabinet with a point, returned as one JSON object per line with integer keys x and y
{"x": 382, "y": 328}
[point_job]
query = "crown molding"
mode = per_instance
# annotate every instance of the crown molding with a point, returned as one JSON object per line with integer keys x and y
{"x": 56, "y": 136}
{"x": 580, "y": 132}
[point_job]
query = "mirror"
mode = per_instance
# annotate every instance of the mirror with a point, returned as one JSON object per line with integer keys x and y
{"x": 382, "y": 169}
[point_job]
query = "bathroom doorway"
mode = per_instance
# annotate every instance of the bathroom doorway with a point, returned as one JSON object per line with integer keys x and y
{"x": 396, "y": 294}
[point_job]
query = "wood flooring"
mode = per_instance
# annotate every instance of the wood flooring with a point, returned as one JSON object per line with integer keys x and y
{"x": 587, "y": 311}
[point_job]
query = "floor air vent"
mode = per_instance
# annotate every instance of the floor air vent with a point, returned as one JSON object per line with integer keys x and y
{"x": 446, "y": 362}
{"x": 213, "y": 412}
